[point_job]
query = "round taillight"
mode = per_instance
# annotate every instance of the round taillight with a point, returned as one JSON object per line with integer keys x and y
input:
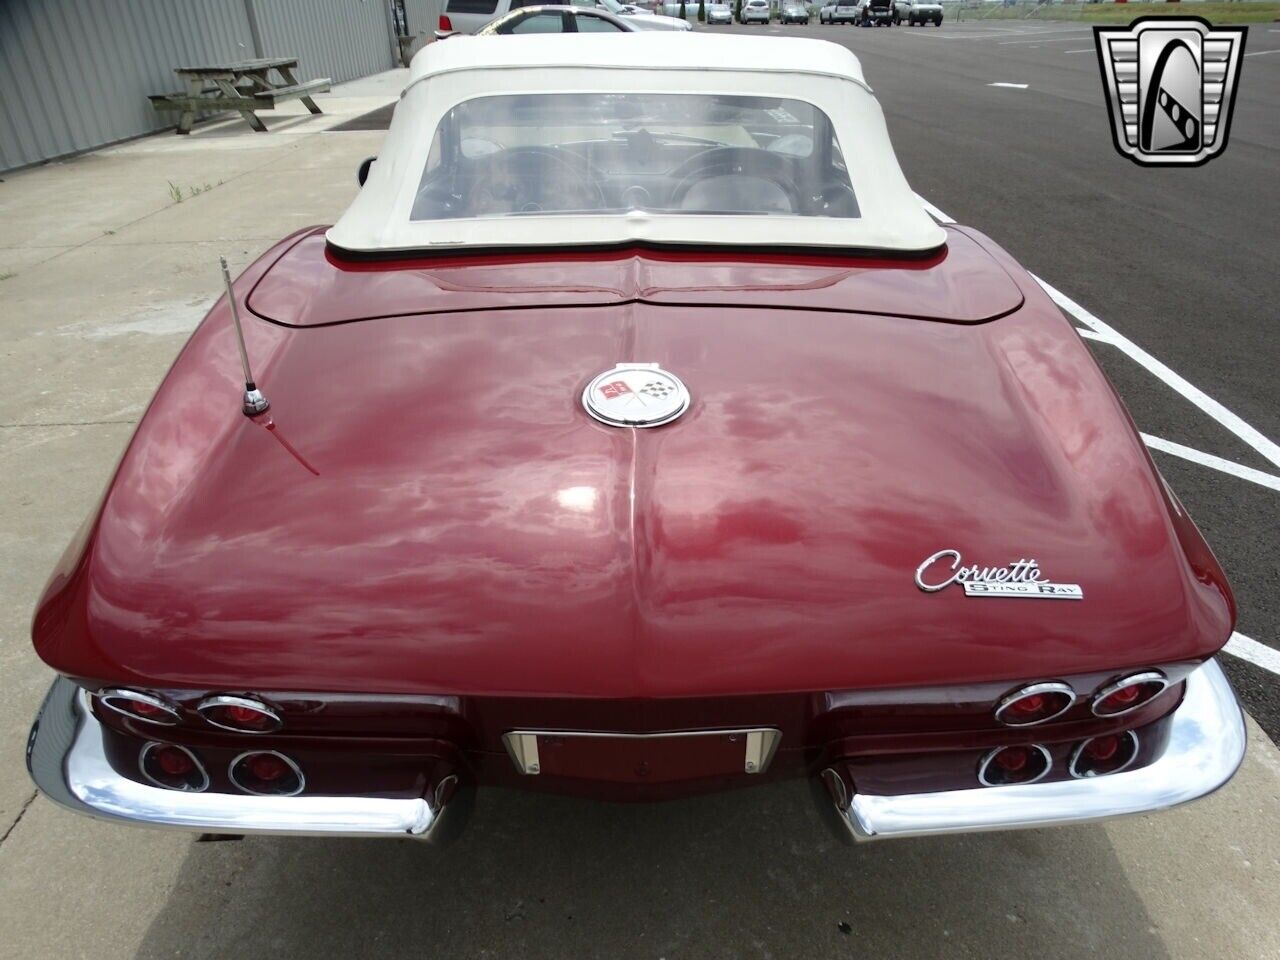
{"x": 139, "y": 706}
{"x": 1009, "y": 765}
{"x": 267, "y": 767}
{"x": 172, "y": 767}
{"x": 241, "y": 714}
{"x": 1099, "y": 756}
{"x": 1037, "y": 703}
{"x": 267, "y": 773}
{"x": 174, "y": 762}
{"x": 1129, "y": 693}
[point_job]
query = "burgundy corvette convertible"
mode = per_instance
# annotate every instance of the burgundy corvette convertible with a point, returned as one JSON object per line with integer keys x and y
{"x": 635, "y": 434}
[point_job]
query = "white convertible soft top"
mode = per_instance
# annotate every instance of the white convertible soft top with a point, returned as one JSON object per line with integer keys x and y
{"x": 458, "y": 69}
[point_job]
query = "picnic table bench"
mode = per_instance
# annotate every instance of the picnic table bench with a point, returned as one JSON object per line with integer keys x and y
{"x": 244, "y": 85}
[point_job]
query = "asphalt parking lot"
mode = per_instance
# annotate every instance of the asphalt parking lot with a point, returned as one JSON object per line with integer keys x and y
{"x": 105, "y": 274}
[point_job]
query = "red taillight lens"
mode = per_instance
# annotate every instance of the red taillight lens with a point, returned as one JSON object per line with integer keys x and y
{"x": 446, "y": 24}
{"x": 1102, "y": 749}
{"x": 1031, "y": 706}
{"x": 1009, "y": 765}
{"x": 172, "y": 767}
{"x": 267, "y": 773}
{"x": 1129, "y": 693}
{"x": 174, "y": 762}
{"x": 247, "y": 716}
{"x": 1035, "y": 704}
{"x": 1125, "y": 696}
{"x": 140, "y": 706}
{"x": 267, "y": 766}
{"x": 1106, "y": 754}
{"x": 1013, "y": 760}
{"x": 242, "y": 714}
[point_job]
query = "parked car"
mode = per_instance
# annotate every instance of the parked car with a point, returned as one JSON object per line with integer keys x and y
{"x": 555, "y": 19}
{"x": 914, "y": 12}
{"x": 875, "y": 13}
{"x": 690, "y": 9}
{"x": 719, "y": 13}
{"x": 635, "y": 433}
{"x": 793, "y": 12}
{"x": 755, "y": 11}
{"x": 468, "y": 16}
{"x": 841, "y": 11}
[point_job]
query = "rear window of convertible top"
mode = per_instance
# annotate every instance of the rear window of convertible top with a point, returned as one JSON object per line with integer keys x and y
{"x": 600, "y": 153}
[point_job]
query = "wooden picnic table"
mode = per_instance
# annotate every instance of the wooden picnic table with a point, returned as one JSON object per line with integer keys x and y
{"x": 243, "y": 85}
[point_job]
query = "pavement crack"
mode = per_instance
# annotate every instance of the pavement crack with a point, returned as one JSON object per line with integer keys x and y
{"x": 18, "y": 819}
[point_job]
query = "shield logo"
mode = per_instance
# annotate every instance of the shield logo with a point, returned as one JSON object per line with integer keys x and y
{"x": 1170, "y": 84}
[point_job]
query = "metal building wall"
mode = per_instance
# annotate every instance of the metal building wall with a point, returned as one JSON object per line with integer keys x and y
{"x": 75, "y": 74}
{"x": 339, "y": 39}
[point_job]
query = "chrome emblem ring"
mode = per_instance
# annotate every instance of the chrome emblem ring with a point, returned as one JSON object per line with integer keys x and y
{"x": 636, "y": 395}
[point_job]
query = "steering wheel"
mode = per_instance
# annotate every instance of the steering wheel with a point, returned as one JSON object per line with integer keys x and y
{"x": 530, "y": 179}
{"x": 731, "y": 161}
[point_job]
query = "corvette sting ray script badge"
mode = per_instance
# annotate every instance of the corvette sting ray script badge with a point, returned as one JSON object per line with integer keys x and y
{"x": 636, "y": 395}
{"x": 1022, "y": 578}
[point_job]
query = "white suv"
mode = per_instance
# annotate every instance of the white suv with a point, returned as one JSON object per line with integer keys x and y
{"x": 755, "y": 11}
{"x": 468, "y": 16}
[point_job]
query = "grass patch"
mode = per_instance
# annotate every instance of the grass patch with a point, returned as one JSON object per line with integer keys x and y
{"x": 1243, "y": 11}
{"x": 177, "y": 194}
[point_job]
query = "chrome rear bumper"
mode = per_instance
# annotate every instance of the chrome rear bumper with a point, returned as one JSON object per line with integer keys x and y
{"x": 66, "y": 758}
{"x": 1205, "y": 747}
{"x": 67, "y": 761}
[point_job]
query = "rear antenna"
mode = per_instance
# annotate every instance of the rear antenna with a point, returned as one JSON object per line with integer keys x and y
{"x": 254, "y": 402}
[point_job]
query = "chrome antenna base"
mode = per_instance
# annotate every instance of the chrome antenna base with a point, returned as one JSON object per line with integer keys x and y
{"x": 254, "y": 402}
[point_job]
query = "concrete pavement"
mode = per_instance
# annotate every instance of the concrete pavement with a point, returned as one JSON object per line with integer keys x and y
{"x": 108, "y": 272}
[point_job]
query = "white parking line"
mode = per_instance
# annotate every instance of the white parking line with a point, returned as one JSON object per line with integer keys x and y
{"x": 1106, "y": 333}
{"x": 1239, "y": 645}
{"x": 1201, "y": 399}
{"x": 1209, "y": 460}
{"x": 1259, "y": 654}
{"x": 934, "y": 211}
{"x": 1082, "y": 50}
{"x": 1014, "y": 86}
{"x": 1261, "y": 53}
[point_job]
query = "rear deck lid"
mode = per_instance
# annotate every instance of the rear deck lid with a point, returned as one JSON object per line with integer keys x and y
{"x": 310, "y": 286}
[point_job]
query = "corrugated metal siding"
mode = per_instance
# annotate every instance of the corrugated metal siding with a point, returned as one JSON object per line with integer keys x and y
{"x": 75, "y": 74}
{"x": 340, "y": 39}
